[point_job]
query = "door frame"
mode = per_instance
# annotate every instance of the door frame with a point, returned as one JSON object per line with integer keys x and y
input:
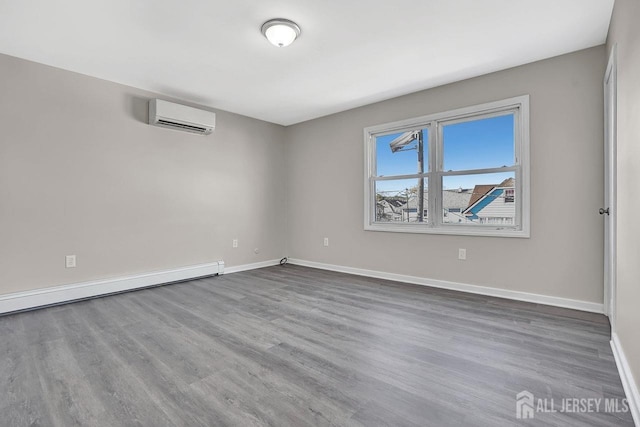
{"x": 610, "y": 186}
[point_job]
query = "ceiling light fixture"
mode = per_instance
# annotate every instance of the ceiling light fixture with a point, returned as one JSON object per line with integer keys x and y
{"x": 280, "y": 32}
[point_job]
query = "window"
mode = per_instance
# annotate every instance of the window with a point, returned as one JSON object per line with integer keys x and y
{"x": 509, "y": 195}
{"x": 458, "y": 172}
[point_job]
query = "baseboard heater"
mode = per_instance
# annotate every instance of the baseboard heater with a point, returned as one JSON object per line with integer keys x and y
{"x": 29, "y": 300}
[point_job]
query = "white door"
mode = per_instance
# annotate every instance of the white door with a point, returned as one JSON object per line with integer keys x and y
{"x": 608, "y": 211}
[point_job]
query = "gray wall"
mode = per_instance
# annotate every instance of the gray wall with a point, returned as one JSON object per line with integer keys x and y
{"x": 624, "y": 32}
{"x": 82, "y": 173}
{"x": 563, "y": 257}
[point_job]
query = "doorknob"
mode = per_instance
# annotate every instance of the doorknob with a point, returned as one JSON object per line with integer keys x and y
{"x": 603, "y": 211}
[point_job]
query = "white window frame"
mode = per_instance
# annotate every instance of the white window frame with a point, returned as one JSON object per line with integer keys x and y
{"x": 434, "y": 122}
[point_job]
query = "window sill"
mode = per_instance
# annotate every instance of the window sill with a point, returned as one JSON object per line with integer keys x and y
{"x": 456, "y": 230}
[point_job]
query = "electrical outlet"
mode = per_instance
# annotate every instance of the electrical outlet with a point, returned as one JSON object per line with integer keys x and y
{"x": 235, "y": 243}
{"x": 70, "y": 261}
{"x": 326, "y": 241}
{"x": 462, "y": 254}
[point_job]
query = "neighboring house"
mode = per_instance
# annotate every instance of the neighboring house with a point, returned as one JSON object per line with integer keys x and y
{"x": 389, "y": 209}
{"x": 454, "y": 202}
{"x": 485, "y": 204}
{"x": 396, "y": 209}
{"x": 492, "y": 204}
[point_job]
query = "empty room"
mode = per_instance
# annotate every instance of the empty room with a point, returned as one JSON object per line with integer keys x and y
{"x": 304, "y": 213}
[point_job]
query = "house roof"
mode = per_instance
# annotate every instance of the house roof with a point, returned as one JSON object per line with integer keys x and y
{"x": 395, "y": 202}
{"x": 451, "y": 199}
{"x": 455, "y": 199}
{"x": 509, "y": 182}
{"x": 479, "y": 191}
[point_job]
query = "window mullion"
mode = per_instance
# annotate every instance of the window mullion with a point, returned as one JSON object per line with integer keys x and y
{"x": 396, "y": 177}
{"x": 480, "y": 171}
{"x": 517, "y": 137}
{"x": 433, "y": 177}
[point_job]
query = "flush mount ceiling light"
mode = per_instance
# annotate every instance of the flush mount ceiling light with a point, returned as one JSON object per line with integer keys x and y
{"x": 280, "y": 32}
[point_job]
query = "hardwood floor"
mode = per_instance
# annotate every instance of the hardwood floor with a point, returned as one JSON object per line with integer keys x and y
{"x": 294, "y": 346}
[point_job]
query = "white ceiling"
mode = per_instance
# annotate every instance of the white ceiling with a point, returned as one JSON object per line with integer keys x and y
{"x": 350, "y": 53}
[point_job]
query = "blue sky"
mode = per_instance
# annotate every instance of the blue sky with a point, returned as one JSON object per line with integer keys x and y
{"x": 478, "y": 144}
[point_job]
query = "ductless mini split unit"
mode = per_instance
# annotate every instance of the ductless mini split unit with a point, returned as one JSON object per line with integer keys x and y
{"x": 180, "y": 117}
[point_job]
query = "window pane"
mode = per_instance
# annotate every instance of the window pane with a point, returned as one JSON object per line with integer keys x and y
{"x": 398, "y": 201}
{"x": 479, "y": 199}
{"x": 479, "y": 144}
{"x": 398, "y": 153}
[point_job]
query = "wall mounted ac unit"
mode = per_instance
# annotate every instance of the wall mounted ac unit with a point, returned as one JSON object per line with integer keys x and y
{"x": 180, "y": 117}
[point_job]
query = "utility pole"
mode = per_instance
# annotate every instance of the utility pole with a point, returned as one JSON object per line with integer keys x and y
{"x": 406, "y": 193}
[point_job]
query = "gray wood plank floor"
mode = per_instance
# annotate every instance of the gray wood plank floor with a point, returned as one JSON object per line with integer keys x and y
{"x": 294, "y": 346}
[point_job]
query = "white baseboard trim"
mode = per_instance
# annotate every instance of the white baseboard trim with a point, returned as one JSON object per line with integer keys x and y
{"x": 463, "y": 287}
{"x": 628, "y": 382}
{"x": 42, "y": 297}
{"x": 55, "y": 295}
{"x": 253, "y": 266}
{"x": 28, "y": 300}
